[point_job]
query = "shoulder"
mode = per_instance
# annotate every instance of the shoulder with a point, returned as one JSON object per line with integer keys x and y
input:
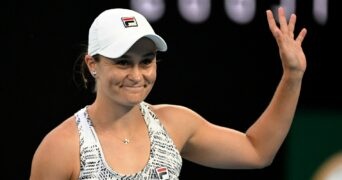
{"x": 172, "y": 109}
{"x": 181, "y": 122}
{"x": 65, "y": 134}
{"x": 172, "y": 112}
{"x": 58, "y": 151}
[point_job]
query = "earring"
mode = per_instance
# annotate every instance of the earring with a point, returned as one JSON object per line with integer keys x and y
{"x": 93, "y": 73}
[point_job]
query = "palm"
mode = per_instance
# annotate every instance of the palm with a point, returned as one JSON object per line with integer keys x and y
{"x": 290, "y": 48}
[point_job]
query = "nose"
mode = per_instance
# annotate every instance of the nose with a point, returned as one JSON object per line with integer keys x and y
{"x": 135, "y": 74}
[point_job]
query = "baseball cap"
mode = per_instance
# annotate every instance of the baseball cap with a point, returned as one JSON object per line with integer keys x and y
{"x": 114, "y": 31}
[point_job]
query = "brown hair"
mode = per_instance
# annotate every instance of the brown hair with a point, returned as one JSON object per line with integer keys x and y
{"x": 81, "y": 75}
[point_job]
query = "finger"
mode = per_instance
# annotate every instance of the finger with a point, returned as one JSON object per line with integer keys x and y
{"x": 301, "y": 36}
{"x": 271, "y": 22}
{"x": 291, "y": 25}
{"x": 282, "y": 20}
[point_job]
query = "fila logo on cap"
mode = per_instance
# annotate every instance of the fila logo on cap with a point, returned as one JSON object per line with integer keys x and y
{"x": 163, "y": 174}
{"x": 129, "y": 22}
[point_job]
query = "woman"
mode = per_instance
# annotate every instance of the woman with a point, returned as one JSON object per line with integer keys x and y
{"x": 120, "y": 136}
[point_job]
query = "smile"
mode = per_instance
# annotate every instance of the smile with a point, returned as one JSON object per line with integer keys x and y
{"x": 134, "y": 88}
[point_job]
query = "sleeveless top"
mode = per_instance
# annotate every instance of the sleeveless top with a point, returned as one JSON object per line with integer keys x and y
{"x": 164, "y": 161}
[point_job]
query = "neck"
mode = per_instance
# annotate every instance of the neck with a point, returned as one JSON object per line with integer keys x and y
{"x": 117, "y": 121}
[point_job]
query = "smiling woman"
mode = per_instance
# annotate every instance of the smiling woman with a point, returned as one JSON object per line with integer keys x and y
{"x": 129, "y": 77}
{"x": 121, "y": 136}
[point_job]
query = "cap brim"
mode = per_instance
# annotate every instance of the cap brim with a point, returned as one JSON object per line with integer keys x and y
{"x": 119, "y": 48}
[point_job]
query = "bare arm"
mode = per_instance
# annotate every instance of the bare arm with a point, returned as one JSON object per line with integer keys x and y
{"x": 269, "y": 132}
{"x": 56, "y": 156}
{"x": 220, "y": 147}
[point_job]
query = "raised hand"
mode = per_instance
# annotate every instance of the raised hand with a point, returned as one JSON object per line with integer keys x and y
{"x": 290, "y": 47}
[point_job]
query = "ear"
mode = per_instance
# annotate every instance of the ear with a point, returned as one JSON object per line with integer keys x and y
{"x": 90, "y": 61}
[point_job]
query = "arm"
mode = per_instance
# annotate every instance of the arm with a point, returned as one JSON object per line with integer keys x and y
{"x": 220, "y": 147}
{"x": 269, "y": 132}
{"x": 55, "y": 157}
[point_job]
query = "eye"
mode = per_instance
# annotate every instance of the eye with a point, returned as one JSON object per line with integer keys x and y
{"x": 147, "y": 61}
{"x": 122, "y": 62}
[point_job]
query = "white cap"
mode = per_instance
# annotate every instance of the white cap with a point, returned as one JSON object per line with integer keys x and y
{"x": 114, "y": 31}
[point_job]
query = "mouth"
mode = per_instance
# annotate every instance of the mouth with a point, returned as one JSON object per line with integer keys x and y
{"x": 134, "y": 88}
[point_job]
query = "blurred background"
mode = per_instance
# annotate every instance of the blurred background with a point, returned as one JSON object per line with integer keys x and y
{"x": 222, "y": 62}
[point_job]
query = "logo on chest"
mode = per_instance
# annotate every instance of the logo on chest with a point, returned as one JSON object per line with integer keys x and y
{"x": 162, "y": 172}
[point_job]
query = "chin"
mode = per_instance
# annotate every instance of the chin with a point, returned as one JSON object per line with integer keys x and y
{"x": 132, "y": 101}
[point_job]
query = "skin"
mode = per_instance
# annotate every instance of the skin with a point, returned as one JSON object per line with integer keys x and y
{"x": 124, "y": 82}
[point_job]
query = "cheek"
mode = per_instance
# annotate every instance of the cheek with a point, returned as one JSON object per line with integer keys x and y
{"x": 151, "y": 76}
{"x": 114, "y": 77}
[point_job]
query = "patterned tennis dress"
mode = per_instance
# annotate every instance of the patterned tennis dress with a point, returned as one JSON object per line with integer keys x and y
{"x": 164, "y": 162}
